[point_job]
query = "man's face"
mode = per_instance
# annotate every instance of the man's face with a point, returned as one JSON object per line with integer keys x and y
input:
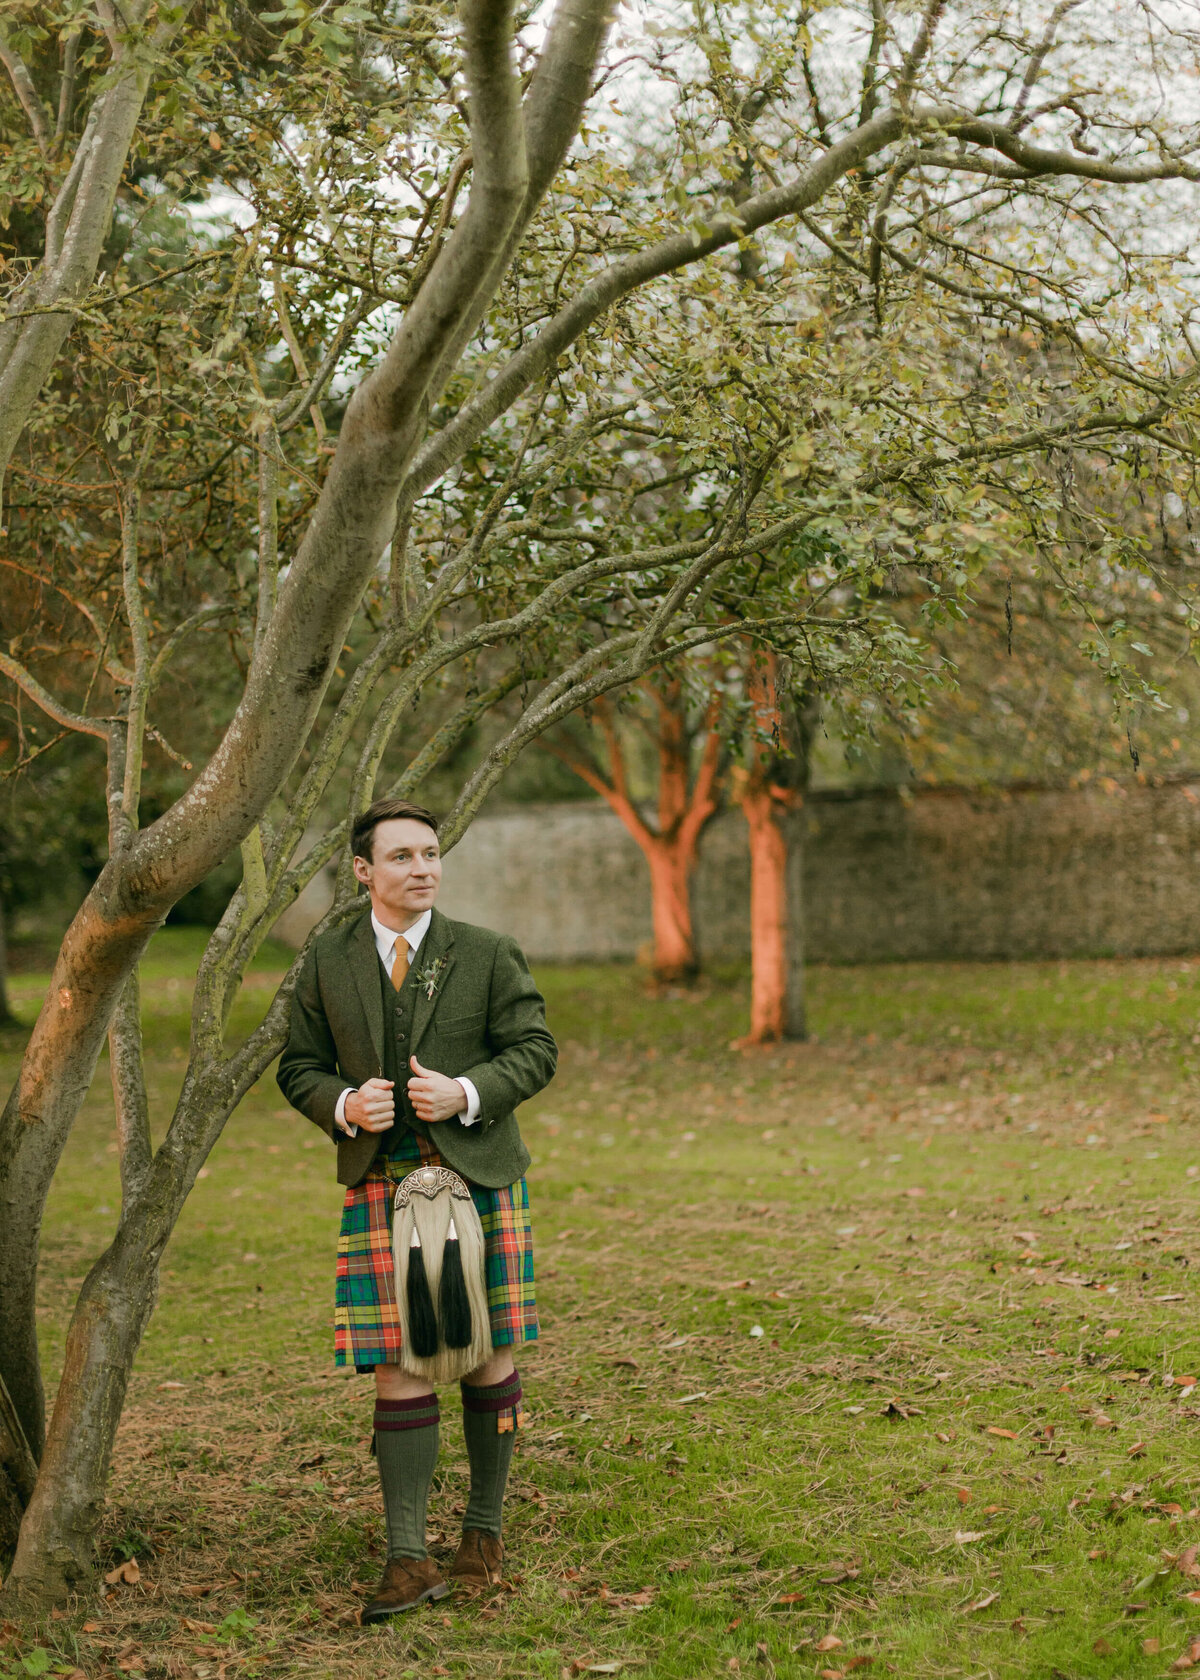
{"x": 404, "y": 873}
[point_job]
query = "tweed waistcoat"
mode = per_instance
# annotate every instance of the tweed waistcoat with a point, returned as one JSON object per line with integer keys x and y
{"x": 399, "y": 1007}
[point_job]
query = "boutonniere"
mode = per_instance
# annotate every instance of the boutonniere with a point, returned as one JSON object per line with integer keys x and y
{"x": 429, "y": 978}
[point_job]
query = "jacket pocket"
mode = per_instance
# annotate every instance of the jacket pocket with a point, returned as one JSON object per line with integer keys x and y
{"x": 450, "y": 1026}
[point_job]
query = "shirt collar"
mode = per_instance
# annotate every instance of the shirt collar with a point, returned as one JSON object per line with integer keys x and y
{"x": 386, "y": 937}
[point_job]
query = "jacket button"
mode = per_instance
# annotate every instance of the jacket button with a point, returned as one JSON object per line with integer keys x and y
{"x": 401, "y": 1037}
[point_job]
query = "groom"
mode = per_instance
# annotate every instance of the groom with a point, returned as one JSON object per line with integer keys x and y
{"x": 393, "y": 982}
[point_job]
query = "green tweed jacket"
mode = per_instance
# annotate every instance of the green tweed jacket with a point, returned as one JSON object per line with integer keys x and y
{"x": 486, "y": 1021}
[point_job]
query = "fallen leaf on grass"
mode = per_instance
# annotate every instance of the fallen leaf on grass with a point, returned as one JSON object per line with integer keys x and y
{"x": 847, "y": 1572}
{"x": 901, "y": 1409}
{"x": 91, "y": 1627}
{"x": 202, "y": 1589}
{"x": 1186, "y": 1561}
{"x": 1137, "y": 1450}
{"x": 829, "y": 1642}
{"x": 963, "y": 1495}
{"x": 832, "y": 1674}
{"x": 791, "y": 1598}
{"x": 984, "y": 1603}
{"x": 198, "y": 1627}
{"x": 964, "y": 1536}
{"x": 596, "y": 1667}
{"x": 1006, "y": 1434}
{"x": 1189, "y": 1658}
{"x": 1102, "y": 1648}
{"x": 629, "y": 1364}
{"x": 859, "y": 1662}
{"x": 165, "y": 1385}
{"x": 1149, "y": 1583}
{"x": 1151, "y": 1647}
{"x": 127, "y": 1574}
{"x": 1100, "y": 1421}
{"x": 679, "y": 1565}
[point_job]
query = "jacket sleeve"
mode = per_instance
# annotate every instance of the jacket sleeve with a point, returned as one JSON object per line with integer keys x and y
{"x": 524, "y": 1052}
{"x": 308, "y": 1075}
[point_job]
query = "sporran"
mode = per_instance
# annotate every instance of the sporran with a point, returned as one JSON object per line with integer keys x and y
{"x": 441, "y": 1281}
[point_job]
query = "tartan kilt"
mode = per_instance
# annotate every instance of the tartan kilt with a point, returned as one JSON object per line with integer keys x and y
{"x": 366, "y": 1319}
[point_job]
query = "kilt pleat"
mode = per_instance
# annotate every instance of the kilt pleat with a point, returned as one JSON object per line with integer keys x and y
{"x": 366, "y": 1320}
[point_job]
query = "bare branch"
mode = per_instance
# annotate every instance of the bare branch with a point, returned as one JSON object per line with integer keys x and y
{"x": 1037, "y": 58}
{"x": 268, "y": 527}
{"x": 28, "y": 684}
{"x": 870, "y": 73}
{"x": 66, "y": 90}
{"x": 917, "y": 53}
{"x": 129, "y": 1090}
{"x": 25, "y": 91}
{"x": 139, "y": 689}
{"x": 76, "y": 229}
{"x": 312, "y": 395}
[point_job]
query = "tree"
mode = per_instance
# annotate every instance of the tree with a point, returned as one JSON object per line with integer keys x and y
{"x": 402, "y": 404}
{"x": 770, "y": 787}
{"x": 687, "y": 797}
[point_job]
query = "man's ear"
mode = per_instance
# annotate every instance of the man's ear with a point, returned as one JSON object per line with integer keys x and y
{"x": 362, "y": 870}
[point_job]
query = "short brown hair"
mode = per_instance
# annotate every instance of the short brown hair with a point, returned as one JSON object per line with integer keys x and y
{"x": 362, "y": 835}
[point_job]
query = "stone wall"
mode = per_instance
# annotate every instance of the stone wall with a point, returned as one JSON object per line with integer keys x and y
{"x": 937, "y": 873}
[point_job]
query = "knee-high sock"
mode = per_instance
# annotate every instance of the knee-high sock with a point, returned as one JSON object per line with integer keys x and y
{"x": 406, "y": 1446}
{"x": 489, "y": 1424}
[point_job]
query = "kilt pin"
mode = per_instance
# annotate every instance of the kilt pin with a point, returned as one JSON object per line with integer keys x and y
{"x": 366, "y": 1317}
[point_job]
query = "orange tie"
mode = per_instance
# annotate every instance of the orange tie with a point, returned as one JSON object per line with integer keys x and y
{"x": 400, "y": 967}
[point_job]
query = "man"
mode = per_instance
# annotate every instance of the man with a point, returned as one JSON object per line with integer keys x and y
{"x": 396, "y": 981}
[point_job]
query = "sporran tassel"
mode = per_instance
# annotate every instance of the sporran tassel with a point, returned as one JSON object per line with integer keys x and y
{"x": 422, "y": 1320}
{"x": 454, "y": 1305}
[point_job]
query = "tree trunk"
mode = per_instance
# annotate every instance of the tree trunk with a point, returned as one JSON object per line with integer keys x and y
{"x": 54, "y": 1556}
{"x": 769, "y": 962}
{"x": 671, "y": 860}
{"x": 18, "y": 1471}
{"x": 55, "y": 1551}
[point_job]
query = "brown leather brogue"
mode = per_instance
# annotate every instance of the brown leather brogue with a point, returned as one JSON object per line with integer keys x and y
{"x": 478, "y": 1561}
{"x": 406, "y": 1583}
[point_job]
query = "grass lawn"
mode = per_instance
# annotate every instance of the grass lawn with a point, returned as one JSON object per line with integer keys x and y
{"x": 869, "y": 1355}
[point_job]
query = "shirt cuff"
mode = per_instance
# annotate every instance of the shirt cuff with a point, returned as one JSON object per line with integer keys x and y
{"x": 339, "y": 1113}
{"x": 473, "y": 1103}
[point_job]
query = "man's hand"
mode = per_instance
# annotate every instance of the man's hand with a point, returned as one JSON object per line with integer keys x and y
{"x": 372, "y": 1106}
{"x": 434, "y": 1095}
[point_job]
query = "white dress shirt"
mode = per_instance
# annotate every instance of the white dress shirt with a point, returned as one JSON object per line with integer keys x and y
{"x": 386, "y": 940}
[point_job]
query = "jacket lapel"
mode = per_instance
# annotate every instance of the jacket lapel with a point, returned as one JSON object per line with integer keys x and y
{"x": 434, "y": 951}
{"x": 364, "y": 966}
